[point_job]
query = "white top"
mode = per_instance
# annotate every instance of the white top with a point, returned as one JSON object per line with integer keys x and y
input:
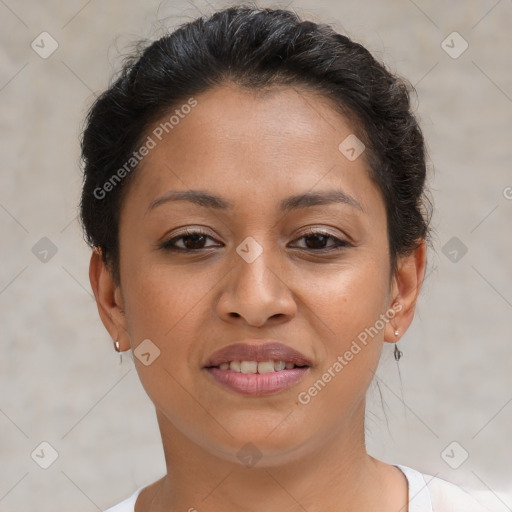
{"x": 427, "y": 493}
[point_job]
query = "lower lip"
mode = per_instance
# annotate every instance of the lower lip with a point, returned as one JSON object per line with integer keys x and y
{"x": 258, "y": 384}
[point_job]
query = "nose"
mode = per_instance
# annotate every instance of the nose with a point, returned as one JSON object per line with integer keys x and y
{"x": 255, "y": 293}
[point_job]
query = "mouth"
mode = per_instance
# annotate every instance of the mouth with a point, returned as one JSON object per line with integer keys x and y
{"x": 256, "y": 367}
{"x": 259, "y": 368}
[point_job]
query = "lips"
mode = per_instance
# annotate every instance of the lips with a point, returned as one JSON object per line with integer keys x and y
{"x": 260, "y": 368}
{"x": 259, "y": 352}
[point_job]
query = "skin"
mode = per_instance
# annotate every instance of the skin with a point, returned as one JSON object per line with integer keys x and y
{"x": 254, "y": 150}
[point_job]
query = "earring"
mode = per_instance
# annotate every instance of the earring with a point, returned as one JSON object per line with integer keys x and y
{"x": 118, "y": 349}
{"x": 397, "y": 353}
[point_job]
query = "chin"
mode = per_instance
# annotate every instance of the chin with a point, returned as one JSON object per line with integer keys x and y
{"x": 261, "y": 444}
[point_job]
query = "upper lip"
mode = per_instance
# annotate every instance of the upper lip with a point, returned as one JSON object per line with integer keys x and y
{"x": 260, "y": 350}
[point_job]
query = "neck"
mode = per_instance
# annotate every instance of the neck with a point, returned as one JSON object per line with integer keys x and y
{"x": 337, "y": 475}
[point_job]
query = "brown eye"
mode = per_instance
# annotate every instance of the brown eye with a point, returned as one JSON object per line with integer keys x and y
{"x": 195, "y": 241}
{"x": 189, "y": 241}
{"x": 318, "y": 241}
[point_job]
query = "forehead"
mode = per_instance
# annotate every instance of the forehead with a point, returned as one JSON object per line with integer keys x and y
{"x": 252, "y": 144}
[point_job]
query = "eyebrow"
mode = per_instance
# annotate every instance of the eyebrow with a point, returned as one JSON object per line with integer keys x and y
{"x": 288, "y": 204}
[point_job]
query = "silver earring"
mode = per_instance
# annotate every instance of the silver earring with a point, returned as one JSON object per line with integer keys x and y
{"x": 397, "y": 352}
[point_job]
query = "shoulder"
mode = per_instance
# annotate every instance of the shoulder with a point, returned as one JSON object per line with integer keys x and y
{"x": 447, "y": 497}
{"x": 127, "y": 505}
{"x": 438, "y": 495}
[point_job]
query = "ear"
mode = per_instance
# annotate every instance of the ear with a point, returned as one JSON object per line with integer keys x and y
{"x": 405, "y": 289}
{"x": 108, "y": 299}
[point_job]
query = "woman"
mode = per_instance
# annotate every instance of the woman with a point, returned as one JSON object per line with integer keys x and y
{"x": 255, "y": 196}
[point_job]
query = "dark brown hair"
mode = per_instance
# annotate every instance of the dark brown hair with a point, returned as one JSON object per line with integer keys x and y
{"x": 256, "y": 48}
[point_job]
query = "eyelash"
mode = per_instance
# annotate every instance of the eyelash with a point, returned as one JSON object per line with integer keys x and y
{"x": 169, "y": 245}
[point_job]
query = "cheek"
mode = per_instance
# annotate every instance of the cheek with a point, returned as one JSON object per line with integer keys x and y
{"x": 350, "y": 298}
{"x": 349, "y": 307}
{"x": 164, "y": 307}
{"x": 158, "y": 300}
{"x": 172, "y": 308}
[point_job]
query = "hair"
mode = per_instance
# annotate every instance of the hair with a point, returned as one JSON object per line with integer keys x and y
{"x": 257, "y": 49}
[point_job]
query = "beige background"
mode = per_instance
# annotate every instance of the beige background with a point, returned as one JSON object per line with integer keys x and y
{"x": 61, "y": 381}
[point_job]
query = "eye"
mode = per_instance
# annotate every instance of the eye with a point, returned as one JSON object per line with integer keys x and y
{"x": 196, "y": 240}
{"x": 317, "y": 241}
{"x": 190, "y": 240}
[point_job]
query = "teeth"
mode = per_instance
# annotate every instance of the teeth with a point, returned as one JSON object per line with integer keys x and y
{"x": 266, "y": 367}
{"x": 234, "y": 366}
{"x": 248, "y": 366}
{"x": 256, "y": 367}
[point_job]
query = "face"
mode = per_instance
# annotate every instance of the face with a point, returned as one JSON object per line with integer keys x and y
{"x": 247, "y": 225}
